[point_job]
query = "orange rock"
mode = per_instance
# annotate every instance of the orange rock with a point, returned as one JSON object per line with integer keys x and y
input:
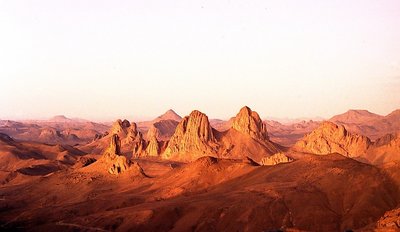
{"x": 331, "y": 138}
{"x": 153, "y": 147}
{"x": 116, "y": 163}
{"x": 248, "y": 122}
{"x": 192, "y": 139}
{"x": 276, "y": 159}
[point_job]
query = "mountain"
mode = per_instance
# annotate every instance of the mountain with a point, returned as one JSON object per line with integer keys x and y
{"x": 162, "y": 130}
{"x": 60, "y": 118}
{"x": 59, "y": 130}
{"x": 163, "y": 126}
{"x": 384, "y": 150}
{"x": 369, "y": 124}
{"x": 221, "y": 125}
{"x": 169, "y": 115}
{"x": 192, "y": 139}
{"x": 289, "y": 134}
{"x": 249, "y": 122}
{"x": 331, "y": 138}
{"x": 356, "y": 116}
{"x": 131, "y": 138}
{"x": 286, "y": 134}
{"x": 247, "y": 137}
{"x": 153, "y": 148}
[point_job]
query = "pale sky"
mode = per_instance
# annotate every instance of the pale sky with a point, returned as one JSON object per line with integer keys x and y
{"x": 108, "y": 59}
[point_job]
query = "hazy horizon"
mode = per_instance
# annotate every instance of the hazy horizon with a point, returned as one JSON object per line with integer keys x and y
{"x": 102, "y": 60}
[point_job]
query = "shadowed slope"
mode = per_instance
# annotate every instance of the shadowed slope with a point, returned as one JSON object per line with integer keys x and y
{"x": 318, "y": 193}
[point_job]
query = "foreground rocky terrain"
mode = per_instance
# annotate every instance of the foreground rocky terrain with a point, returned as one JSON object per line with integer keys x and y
{"x": 182, "y": 174}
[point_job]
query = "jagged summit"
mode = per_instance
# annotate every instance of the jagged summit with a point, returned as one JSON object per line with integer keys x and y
{"x": 249, "y": 122}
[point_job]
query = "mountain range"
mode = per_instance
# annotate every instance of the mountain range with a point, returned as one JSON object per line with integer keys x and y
{"x": 193, "y": 173}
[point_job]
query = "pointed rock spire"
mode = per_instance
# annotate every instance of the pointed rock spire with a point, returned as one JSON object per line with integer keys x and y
{"x": 193, "y": 138}
{"x": 116, "y": 163}
{"x": 153, "y": 147}
{"x": 249, "y": 122}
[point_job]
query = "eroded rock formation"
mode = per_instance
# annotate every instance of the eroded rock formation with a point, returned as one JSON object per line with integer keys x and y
{"x": 192, "y": 139}
{"x": 153, "y": 147}
{"x": 249, "y": 122}
{"x": 115, "y": 162}
{"x": 330, "y": 138}
{"x": 276, "y": 159}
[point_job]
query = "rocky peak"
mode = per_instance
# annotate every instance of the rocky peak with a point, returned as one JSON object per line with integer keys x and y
{"x": 153, "y": 148}
{"x": 330, "y": 138}
{"x": 193, "y": 138}
{"x": 198, "y": 125}
{"x": 249, "y": 122}
{"x": 114, "y": 148}
{"x": 119, "y": 126}
{"x": 125, "y": 123}
{"x": 115, "y": 162}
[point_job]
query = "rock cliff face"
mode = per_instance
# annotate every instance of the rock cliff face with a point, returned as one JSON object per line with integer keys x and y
{"x": 115, "y": 162}
{"x": 120, "y": 126}
{"x": 192, "y": 139}
{"x": 153, "y": 147}
{"x": 135, "y": 139}
{"x": 276, "y": 159}
{"x": 330, "y": 138}
{"x": 248, "y": 122}
{"x": 131, "y": 138}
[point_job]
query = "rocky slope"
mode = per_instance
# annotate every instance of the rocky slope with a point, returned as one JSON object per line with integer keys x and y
{"x": 312, "y": 193}
{"x": 384, "y": 150}
{"x": 331, "y": 138}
